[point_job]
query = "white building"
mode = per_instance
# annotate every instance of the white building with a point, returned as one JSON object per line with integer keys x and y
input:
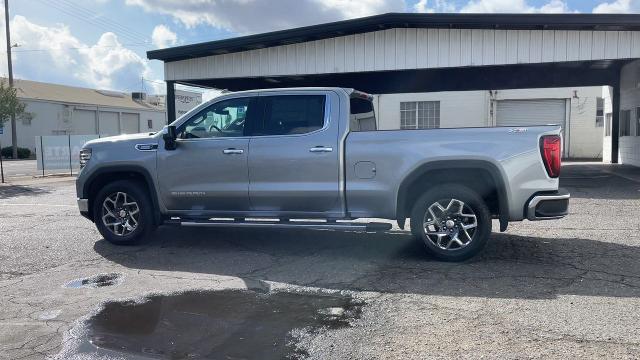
{"x": 424, "y": 57}
{"x": 60, "y": 110}
{"x": 575, "y": 109}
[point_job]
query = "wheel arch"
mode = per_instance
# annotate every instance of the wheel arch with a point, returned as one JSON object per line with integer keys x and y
{"x": 420, "y": 178}
{"x": 105, "y": 175}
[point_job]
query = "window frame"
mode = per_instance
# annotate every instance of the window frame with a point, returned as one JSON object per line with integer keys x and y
{"x": 253, "y": 101}
{"x": 261, "y": 105}
{"x": 622, "y": 128}
{"x": 637, "y": 121}
{"x": 416, "y": 112}
{"x": 600, "y": 107}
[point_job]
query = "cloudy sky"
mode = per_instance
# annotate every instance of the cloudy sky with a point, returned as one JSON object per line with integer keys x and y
{"x": 102, "y": 43}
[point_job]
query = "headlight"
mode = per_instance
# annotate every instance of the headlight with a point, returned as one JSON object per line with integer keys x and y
{"x": 85, "y": 155}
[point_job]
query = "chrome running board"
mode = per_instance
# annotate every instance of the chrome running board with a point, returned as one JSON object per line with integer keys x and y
{"x": 344, "y": 226}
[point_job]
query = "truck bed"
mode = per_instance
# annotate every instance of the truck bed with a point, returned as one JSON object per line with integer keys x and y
{"x": 394, "y": 154}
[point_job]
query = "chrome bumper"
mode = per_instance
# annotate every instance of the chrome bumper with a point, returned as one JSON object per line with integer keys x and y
{"x": 549, "y": 206}
{"x": 83, "y": 205}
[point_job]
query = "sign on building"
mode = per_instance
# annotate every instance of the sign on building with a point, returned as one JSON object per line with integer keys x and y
{"x": 185, "y": 101}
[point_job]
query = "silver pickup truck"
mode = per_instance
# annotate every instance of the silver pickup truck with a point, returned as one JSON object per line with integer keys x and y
{"x": 313, "y": 158}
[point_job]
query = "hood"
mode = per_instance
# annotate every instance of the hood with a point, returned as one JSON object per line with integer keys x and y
{"x": 122, "y": 138}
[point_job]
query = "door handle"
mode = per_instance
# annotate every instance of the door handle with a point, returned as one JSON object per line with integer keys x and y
{"x": 232, "y": 151}
{"x": 319, "y": 149}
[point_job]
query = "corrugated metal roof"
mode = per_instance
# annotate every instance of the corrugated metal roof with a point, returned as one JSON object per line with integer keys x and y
{"x": 601, "y": 22}
{"x": 76, "y": 95}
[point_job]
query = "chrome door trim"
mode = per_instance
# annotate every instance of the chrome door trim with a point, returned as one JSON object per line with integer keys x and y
{"x": 232, "y": 151}
{"x": 321, "y": 149}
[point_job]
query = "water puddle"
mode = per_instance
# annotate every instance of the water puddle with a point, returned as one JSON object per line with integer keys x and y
{"x": 96, "y": 281}
{"x": 230, "y": 324}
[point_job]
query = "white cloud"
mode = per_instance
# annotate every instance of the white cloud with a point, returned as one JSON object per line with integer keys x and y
{"x": 618, "y": 6}
{"x": 54, "y": 54}
{"x": 163, "y": 37}
{"x": 433, "y": 6}
{"x": 254, "y": 16}
{"x": 513, "y": 6}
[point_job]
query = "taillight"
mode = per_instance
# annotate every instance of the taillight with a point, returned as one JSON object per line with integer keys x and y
{"x": 551, "y": 148}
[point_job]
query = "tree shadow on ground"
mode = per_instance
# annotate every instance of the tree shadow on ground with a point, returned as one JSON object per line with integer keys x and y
{"x": 9, "y": 191}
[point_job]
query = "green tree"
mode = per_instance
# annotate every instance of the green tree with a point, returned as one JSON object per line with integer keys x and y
{"x": 10, "y": 105}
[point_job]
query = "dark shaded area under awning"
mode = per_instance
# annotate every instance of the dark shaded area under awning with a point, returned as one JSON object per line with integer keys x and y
{"x": 524, "y": 76}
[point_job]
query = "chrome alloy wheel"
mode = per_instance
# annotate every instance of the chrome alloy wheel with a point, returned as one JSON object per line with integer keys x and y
{"x": 450, "y": 224}
{"x": 120, "y": 213}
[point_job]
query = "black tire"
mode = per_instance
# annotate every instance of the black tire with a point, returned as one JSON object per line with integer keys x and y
{"x": 471, "y": 202}
{"x": 145, "y": 224}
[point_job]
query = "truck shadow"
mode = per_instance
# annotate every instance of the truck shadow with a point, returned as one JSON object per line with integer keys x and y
{"x": 511, "y": 266}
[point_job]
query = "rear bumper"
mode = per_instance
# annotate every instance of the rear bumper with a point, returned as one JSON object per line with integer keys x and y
{"x": 548, "y": 205}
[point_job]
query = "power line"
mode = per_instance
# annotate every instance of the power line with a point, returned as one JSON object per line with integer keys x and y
{"x": 76, "y": 48}
{"x": 98, "y": 22}
{"x": 105, "y": 19}
{"x": 90, "y": 17}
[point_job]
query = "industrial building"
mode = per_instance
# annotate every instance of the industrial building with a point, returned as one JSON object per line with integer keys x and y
{"x": 430, "y": 53}
{"x": 53, "y": 109}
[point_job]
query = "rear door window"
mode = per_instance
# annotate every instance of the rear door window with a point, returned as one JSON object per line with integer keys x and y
{"x": 290, "y": 114}
{"x": 362, "y": 116}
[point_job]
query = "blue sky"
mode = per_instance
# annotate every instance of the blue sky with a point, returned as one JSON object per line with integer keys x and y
{"x": 102, "y": 43}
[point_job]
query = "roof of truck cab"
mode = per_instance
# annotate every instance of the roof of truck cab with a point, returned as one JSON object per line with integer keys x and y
{"x": 347, "y": 90}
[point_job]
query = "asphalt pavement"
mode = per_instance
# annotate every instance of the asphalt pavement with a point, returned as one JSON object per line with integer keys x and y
{"x": 555, "y": 289}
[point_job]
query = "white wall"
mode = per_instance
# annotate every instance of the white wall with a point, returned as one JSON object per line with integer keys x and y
{"x": 629, "y": 149}
{"x": 457, "y": 108}
{"x": 402, "y": 48}
{"x": 607, "y": 95}
{"x": 49, "y": 119}
{"x": 472, "y": 109}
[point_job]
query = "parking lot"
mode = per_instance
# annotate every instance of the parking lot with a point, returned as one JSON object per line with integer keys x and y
{"x": 555, "y": 289}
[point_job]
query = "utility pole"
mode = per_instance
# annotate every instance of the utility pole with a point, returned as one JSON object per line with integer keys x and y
{"x": 14, "y": 136}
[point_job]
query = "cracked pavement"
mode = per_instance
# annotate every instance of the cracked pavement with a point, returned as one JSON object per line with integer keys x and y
{"x": 554, "y": 289}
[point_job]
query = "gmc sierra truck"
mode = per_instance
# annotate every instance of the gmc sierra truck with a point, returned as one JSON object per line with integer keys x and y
{"x": 313, "y": 158}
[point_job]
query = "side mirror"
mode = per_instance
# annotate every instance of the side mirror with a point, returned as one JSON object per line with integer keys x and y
{"x": 169, "y": 137}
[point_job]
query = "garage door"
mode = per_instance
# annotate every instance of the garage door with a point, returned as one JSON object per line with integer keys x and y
{"x": 84, "y": 122}
{"x": 130, "y": 123}
{"x": 533, "y": 112}
{"x": 108, "y": 123}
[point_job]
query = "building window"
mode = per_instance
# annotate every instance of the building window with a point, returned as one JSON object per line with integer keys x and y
{"x": 599, "y": 112}
{"x": 420, "y": 115}
{"x": 625, "y": 123}
{"x": 150, "y": 124}
{"x": 607, "y": 123}
{"x": 638, "y": 121}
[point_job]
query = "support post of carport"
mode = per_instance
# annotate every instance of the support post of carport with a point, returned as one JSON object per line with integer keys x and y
{"x": 171, "y": 102}
{"x": 615, "y": 121}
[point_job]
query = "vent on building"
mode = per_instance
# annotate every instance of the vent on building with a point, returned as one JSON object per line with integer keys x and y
{"x": 139, "y": 96}
{"x": 111, "y": 93}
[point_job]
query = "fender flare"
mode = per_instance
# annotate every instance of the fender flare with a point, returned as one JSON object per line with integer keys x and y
{"x": 151, "y": 187}
{"x": 494, "y": 172}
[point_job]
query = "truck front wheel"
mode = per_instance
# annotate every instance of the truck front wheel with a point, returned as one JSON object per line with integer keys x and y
{"x": 123, "y": 212}
{"x": 452, "y": 221}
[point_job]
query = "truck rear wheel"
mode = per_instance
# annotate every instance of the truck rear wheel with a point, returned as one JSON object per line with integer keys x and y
{"x": 123, "y": 212}
{"x": 452, "y": 221}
